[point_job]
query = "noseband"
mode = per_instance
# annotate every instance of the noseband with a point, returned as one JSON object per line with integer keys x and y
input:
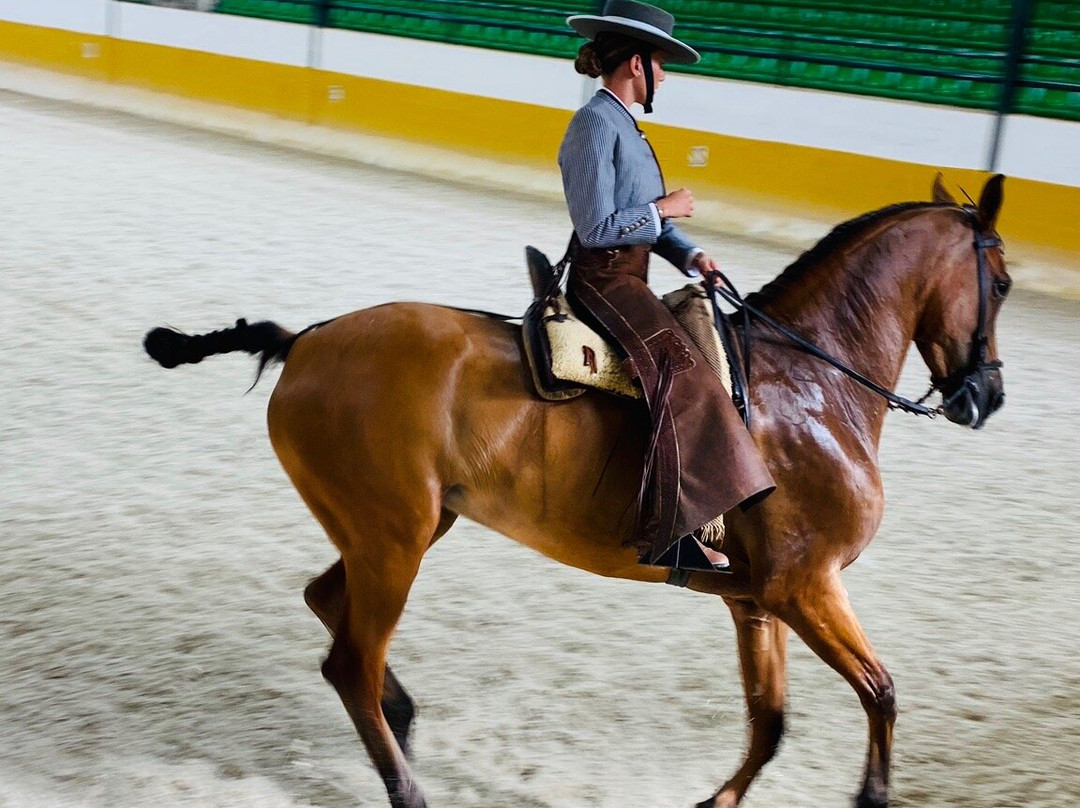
{"x": 965, "y": 379}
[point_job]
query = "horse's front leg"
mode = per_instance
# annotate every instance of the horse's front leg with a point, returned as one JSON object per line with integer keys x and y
{"x": 818, "y": 609}
{"x": 763, "y": 659}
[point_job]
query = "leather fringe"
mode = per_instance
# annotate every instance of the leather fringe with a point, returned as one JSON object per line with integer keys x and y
{"x": 648, "y": 517}
{"x": 712, "y": 532}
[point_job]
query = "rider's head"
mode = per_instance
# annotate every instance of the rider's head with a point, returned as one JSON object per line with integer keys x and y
{"x": 631, "y": 36}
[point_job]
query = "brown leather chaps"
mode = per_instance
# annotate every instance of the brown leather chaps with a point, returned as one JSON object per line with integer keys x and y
{"x": 700, "y": 460}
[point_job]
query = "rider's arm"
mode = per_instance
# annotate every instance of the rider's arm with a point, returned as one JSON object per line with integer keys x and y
{"x": 586, "y": 159}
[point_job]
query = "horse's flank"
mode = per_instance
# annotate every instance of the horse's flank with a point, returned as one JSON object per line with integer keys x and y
{"x": 480, "y": 443}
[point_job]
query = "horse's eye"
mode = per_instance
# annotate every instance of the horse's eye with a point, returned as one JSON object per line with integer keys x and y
{"x": 1002, "y": 286}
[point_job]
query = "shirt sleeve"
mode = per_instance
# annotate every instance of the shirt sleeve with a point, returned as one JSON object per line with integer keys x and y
{"x": 674, "y": 245}
{"x": 586, "y": 159}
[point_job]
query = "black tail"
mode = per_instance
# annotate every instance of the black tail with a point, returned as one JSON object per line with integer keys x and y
{"x": 169, "y": 347}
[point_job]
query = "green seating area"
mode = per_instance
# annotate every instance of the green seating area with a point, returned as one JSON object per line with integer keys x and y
{"x": 922, "y": 50}
{"x": 525, "y": 27}
{"x": 936, "y": 51}
{"x": 300, "y": 11}
{"x": 1050, "y": 71}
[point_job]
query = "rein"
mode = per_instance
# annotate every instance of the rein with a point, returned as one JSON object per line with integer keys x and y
{"x": 976, "y": 358}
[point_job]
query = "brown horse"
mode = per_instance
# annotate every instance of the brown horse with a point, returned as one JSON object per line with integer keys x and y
{"x": 393, "y": 421}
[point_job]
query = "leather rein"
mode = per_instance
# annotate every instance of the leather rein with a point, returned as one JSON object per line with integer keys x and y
{"x": 963, "y": 377}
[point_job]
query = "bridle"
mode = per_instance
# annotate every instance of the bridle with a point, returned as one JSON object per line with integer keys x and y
{"x": 964, "y": 379}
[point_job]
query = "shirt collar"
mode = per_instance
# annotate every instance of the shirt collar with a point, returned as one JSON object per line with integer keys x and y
{"x": 608, "y": 94}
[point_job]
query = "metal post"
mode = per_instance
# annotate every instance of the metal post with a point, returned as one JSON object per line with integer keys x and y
{"x": 1021, "y": 19}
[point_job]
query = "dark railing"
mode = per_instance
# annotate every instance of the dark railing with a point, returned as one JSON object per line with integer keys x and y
{"x": 1005, "y": 56}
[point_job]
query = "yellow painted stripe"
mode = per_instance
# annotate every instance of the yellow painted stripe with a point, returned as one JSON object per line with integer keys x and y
{"x": 1041, "y": 213}
{"x": 263, "y": 86}
{"x": 485, "y": 127}
{"x": 833, "y": 184}
{"x": 781, "y": 176}
{"x": 837, "y": 185}
{"x": 66, "y": 51}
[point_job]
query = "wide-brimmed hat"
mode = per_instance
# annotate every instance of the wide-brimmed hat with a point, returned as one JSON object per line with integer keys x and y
{"x": 639, "y": 21}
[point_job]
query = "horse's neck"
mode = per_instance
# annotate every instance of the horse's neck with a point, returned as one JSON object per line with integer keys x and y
{"x": 860, "y": 305}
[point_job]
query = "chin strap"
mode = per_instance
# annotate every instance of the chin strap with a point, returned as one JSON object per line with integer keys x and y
{"x": 646, "y": 65}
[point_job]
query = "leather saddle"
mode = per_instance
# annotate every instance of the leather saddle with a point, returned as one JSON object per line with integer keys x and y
{"x": 566, "y": 356}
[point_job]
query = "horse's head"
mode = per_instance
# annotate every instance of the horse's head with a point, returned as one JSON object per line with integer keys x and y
{"x": 956, "y": 332}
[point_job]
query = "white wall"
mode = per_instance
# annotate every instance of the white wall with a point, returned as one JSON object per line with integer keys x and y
{"x": 225, "y": 34}
{"x": 83, "y": 16}
{"x": 915, "y": 133}
{"x": 925, "y": 134}
{"x": 492, "y": 74}
{"x": 894, "y": 130}
{"x": 1041, "y": 149}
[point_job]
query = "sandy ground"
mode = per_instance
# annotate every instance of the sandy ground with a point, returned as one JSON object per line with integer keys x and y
{"x": 155, "y": 648}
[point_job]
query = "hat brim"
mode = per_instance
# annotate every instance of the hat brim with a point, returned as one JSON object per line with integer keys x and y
{"x": 589, "y": 25}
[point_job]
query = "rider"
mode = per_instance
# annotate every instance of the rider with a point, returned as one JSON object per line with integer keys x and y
{"x": 701, "y": 461}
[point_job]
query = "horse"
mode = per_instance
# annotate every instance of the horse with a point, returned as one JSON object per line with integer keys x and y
{"x": 393, "y": 421}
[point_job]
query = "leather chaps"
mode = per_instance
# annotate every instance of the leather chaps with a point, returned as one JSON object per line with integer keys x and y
{"x": 700, "y": 460}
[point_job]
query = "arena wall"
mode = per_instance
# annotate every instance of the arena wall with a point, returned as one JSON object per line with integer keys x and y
{"x": 746, "y": 145}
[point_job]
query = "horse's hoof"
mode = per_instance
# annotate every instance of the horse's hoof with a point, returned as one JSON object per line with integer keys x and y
{"x": 869, "y": 799}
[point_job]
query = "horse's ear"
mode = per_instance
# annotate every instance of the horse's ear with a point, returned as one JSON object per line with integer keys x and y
{"x": 940, "y": 194}
{"x": 990, "y": 202}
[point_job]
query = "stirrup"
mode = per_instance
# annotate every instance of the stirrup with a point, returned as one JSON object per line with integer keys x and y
{"x": 686, "y": 554}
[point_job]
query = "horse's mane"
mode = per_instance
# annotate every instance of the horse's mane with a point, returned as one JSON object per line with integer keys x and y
{"x": 842, "y": 233}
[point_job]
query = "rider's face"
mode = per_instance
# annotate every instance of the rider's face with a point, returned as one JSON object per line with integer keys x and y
{"x": 658, "y": 59}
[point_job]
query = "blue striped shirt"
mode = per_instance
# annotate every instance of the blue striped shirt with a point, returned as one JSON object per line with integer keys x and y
{"x": 611, "y": 179}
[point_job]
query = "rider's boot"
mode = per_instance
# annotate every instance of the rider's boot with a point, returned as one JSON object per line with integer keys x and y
{"x": 688, "y": 553}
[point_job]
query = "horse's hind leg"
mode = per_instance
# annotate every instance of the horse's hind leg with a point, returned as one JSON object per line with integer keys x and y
{"x": 820, "y": 613}
{"x": 763, "y": 659}
{"x": 325, "y": 596}
{"x": 379, "y": 562}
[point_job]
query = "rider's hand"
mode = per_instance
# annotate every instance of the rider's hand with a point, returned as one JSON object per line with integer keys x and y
{"x": 676, "y": 205}
{"x": 704, "y": 264}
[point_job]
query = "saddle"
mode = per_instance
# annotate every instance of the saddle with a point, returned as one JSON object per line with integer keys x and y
{"x": 566, "y": 356}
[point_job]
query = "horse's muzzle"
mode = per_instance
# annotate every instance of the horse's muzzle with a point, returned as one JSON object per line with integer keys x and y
{"x": 979, "y": 394}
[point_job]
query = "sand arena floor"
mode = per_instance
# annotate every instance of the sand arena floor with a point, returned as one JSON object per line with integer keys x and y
{"x": 155, "y": 648}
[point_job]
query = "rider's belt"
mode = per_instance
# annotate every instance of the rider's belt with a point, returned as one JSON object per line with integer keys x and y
{"x": 633, "y": 259}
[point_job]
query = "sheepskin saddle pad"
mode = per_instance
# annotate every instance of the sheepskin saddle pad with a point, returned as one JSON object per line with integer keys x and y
{"x": 566, "y": 356}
